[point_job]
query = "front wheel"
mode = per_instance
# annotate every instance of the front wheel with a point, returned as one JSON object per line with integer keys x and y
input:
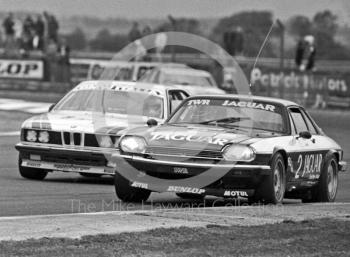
{"x": 31, "y": 173}
{"x": 127, "y": 193}
{"x": 273, "y": 187}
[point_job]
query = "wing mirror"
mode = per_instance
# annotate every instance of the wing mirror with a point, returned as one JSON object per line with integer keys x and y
{"x": 152, "y": 123}
{"x": 305, "y": 134}
{"x": 51, "y": 107}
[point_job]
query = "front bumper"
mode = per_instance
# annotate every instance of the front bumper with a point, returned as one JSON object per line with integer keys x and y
{"x": 67, "y": 159}
{"x": 216, "y": 179}
{"x": 343, "y": 166}
{"x": 245, "y": 168}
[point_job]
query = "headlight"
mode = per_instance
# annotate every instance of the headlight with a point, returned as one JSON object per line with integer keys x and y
{"x": 131, "y": 144}
{"x": 31, "y": 136}
{"x": 238, "y": 153}
{"x": 43, "y": 137}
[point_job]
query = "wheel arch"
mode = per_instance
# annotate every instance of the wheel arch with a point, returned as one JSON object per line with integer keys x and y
{"x": 283, "y": 153}
{"x": 331, "y": 152}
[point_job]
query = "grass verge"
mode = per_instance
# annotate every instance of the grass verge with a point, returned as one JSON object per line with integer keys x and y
{"x": 324, "y": 237}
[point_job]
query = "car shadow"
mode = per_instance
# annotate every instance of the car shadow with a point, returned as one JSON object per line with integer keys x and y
{"x": 209, "y": 201}
{"x": 77, "y": 179}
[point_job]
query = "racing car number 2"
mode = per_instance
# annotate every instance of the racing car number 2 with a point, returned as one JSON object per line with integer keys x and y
{"x": 308, "y": 165}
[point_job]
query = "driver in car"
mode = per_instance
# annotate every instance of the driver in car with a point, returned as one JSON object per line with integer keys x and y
{"x": 152, "y": 108}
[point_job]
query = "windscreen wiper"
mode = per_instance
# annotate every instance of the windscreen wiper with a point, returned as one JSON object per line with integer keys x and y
{"x": 225, "y": 120}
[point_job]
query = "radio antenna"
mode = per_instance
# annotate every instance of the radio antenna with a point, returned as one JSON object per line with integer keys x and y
{"x": 261, "y": 48}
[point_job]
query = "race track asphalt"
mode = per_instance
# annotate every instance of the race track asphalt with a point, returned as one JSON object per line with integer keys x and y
{"x": 71, "y": 193}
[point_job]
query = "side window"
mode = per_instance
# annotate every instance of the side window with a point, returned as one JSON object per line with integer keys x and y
{"x": 175, "y": 98}
{"x": 309, "y": 123}
{"x": 298, "y": 120}
{"x": 142, "y": 71}
{"x": 124, "y": 74}
{"x": 292, "y": 127}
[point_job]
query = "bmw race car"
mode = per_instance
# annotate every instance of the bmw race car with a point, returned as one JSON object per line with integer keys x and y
{"x": 81, "y": 130}
{"x": 192, "y": 80}
{"x": 264, "y": 149}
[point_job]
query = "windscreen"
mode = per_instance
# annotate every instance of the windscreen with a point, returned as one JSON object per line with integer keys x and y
{"x": 235, "y": 113}
{"x": 113, "y": 101}
{"x": 174, "y": 78}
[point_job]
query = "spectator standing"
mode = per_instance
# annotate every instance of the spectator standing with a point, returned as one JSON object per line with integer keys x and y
{"x": 310, "y": 52}
{"x": 27, "y": 33}
{"x": 53, "y": 28}
{"x": 299, "y": 53}
{"x": 63, "y": 61}
{"x": 305, "y": 54}
{"x": 9, "y": 29}
{"x": 146, "y": 42}
{"x": 18, "y": 33}
{"x": 39, "y": 28}
{"x": 134, "y": 33}
{"x": 52, "y": 60}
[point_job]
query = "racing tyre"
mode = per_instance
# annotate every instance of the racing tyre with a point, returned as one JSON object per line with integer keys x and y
{"x": 90, "y": 175}
{"x": 31, "y": 173}
{"x": 327, "y": 187}
{"x": 127, "y": 193}
{"x": 190, "y": 196}
{"x": 273, "y": 187}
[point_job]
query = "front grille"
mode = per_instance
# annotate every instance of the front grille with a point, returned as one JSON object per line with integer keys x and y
{"x": 182, "y": 152}
{"x": 66, "y": 138}
{"x": 77, "y": 138}
{"x": 72, "y": 138}
{"x": 91, "y": 140}
{"x": 55, "y": 138}
{"x": 71, "y": 158}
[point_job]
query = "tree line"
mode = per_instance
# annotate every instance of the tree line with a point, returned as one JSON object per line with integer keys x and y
{"x": 254, "y": 26}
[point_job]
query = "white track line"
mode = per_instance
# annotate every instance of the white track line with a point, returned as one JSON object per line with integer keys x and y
{"x": 10, "y": 133}
{"x": 23, "y": 106}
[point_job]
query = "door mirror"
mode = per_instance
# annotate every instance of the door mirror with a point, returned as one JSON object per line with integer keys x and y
{"x": 152, "y": 123}
{"x": 305, "y": 134}
{"x": 51, "y": 107}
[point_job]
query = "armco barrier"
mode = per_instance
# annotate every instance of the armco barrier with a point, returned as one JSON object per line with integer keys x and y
{"x": 312, "y": 89}
{"x": 34, "y": 86}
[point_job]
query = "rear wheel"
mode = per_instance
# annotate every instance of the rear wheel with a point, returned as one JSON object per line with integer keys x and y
{"x": 31, "y": 173}
{"x": 273, "y": 187}
{"x": 127, "y": 193}
{"x": 327, "y": 187}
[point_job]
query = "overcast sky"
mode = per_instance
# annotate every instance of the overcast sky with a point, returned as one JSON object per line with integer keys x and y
{"x": 186, "y": 8}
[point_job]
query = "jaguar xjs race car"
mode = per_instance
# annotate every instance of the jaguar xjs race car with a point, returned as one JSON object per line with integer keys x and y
{"x": 264, "y": 149}
{"x": 81, "y": 131}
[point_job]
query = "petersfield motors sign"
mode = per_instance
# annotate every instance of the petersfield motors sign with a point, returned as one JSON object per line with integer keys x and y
{"x": 335, "y": 84}
{"x": 21, "y": 69}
